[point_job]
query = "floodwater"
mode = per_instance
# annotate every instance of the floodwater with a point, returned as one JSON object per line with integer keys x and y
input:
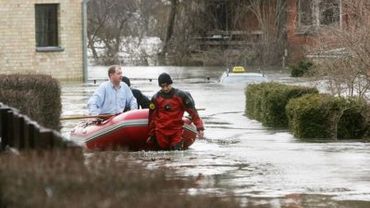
{"x": 264, "y": 167}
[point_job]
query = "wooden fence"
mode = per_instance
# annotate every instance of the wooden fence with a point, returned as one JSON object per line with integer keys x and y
{"x": 20, "y": 132}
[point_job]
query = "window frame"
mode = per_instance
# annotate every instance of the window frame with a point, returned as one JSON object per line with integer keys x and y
{"x": 328, "y": 9}
{"x": 316, "y": 12}
{"x": 47, "y": 27}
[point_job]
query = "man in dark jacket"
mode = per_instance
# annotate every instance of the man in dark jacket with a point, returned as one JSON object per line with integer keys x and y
{"x": 142, "y": 100}
{"x": 166, "y": 110}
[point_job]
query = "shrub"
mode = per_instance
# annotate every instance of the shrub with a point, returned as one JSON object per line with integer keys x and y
{"x": 353, "y": 122}
{"x": 266, "y": 102}
{"x": 327, "y": 117}
{"x": 37, "y": 96}
{"x": 253, "y": 100}
{"x": 315, "y": 116}
{"x": 16, "y": 98}
{"x": 301, "y": 68}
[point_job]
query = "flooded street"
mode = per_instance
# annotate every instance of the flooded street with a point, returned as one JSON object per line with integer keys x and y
{"x": 262, "y": 166}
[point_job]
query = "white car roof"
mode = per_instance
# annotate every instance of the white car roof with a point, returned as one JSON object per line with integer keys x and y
{"x": 247, "y": 77}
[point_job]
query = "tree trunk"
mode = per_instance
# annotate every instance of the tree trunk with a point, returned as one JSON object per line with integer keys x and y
{"x": 93, "y": 49}
{"x": 170, "y": 26}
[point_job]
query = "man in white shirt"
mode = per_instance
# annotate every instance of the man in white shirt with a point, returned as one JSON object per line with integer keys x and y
{"x": 112, "y": 96}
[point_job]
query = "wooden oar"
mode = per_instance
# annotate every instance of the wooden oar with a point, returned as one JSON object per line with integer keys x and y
{"x": 72, "y": 117}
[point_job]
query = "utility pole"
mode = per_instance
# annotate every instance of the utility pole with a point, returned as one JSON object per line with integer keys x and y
{"x": 84, "y": 40}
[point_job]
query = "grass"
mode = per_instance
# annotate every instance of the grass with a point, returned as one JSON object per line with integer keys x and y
{"x": 104, "y": 179}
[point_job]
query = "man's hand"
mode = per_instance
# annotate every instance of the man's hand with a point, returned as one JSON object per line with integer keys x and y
{"x": 200, "y": 134}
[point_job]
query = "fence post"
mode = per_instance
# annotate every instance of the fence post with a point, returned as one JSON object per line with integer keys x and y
{"x": 15, "y": 128}
{"x": 1, "y": 134}
{"x": 45, "y": 139}
{"x": 26, "y": 136}
{"x": 31, "y": 134}
{"x": 4, "y": 126}
{"x": 10, "y": 130}
{"x": 22, "y": 123}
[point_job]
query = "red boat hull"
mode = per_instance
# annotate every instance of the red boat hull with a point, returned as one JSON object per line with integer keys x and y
{"x": 127, "y": 130}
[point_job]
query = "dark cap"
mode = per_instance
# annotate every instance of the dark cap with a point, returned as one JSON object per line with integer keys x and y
{"x": 164, "y": 78}
{"x": 126, "y": 80}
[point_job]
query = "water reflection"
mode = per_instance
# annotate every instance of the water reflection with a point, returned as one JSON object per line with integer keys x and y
{"x": 265, "y": 167}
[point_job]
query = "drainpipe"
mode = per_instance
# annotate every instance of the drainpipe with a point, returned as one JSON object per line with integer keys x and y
{"x": 84, "y": 39}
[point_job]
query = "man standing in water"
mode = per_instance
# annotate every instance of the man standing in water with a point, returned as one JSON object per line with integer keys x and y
{"x": 112, "y": 96}
{"x": 165, "y": 116}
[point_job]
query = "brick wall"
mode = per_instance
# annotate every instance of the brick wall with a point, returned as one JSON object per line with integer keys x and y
{"x": 18, "y": 45}
{"x": 301, "y": 44}
{"x": 298, "y": 43}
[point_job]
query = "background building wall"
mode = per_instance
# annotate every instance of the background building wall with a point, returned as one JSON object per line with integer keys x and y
{"x": 298, "y": 43}
{"x": 302, "y": 42}
{"x": 18, "y": 44}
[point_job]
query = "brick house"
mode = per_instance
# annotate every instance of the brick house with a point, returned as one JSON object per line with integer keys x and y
{"x": 42, "y": 36}
{"x": 310, "y": 23}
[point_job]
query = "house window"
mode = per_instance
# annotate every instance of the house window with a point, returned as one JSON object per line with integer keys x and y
{"x": 329, "y": 12}
{"x": 317, "y": 13}
{"x": 46, "y": 18}
{"x": 305, "y": 12}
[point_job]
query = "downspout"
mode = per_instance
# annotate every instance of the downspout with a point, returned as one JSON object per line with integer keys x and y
{"x": 84, "y": 39}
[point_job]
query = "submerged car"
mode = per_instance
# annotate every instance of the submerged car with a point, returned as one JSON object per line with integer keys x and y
{"x": 239, "y": 75}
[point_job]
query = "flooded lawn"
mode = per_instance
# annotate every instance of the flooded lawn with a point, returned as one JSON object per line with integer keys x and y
{"x": 240, "y": 157}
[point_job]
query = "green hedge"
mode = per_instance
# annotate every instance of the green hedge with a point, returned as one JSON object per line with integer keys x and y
{"x": 266, "y": 102}
{"x": 312, "y": 116}
{"x": 354, "y": 122}
{"x": 302, "y": 68}
{"x": 321, "y": 116}
{"x": 254, "y": 101}
{"x": 37, "y": 96}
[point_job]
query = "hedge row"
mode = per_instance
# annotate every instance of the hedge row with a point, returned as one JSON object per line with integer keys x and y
{"x": 307, "y": 113}
{"x": 327, "y": 117}
{"x": 266, "y": 102}
{"x": 37, "y": 96}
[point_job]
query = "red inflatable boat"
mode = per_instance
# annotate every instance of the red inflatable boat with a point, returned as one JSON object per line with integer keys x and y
{"x": 127, "y": 130}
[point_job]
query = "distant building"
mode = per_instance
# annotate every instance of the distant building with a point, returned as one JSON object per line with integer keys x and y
{"x": 304, "y": 21}
{"x": 42, "y": 36}
{"x": 310, "y": 25}
{"x": 305, "y": 25}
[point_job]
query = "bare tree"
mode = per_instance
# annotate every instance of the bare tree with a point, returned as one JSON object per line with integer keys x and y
{"x": 96, "y": 20}
{"x": 170, "y": 24}
{"x": 108, "y": 22}
{"x": 180, "y": 22}
{"x": 271, "y": 17}
{"x": 347, "y": 71}
{"x": 250, "y": 31}
{"x": 119, "y": 26}
{"x": 184, "y": 22}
